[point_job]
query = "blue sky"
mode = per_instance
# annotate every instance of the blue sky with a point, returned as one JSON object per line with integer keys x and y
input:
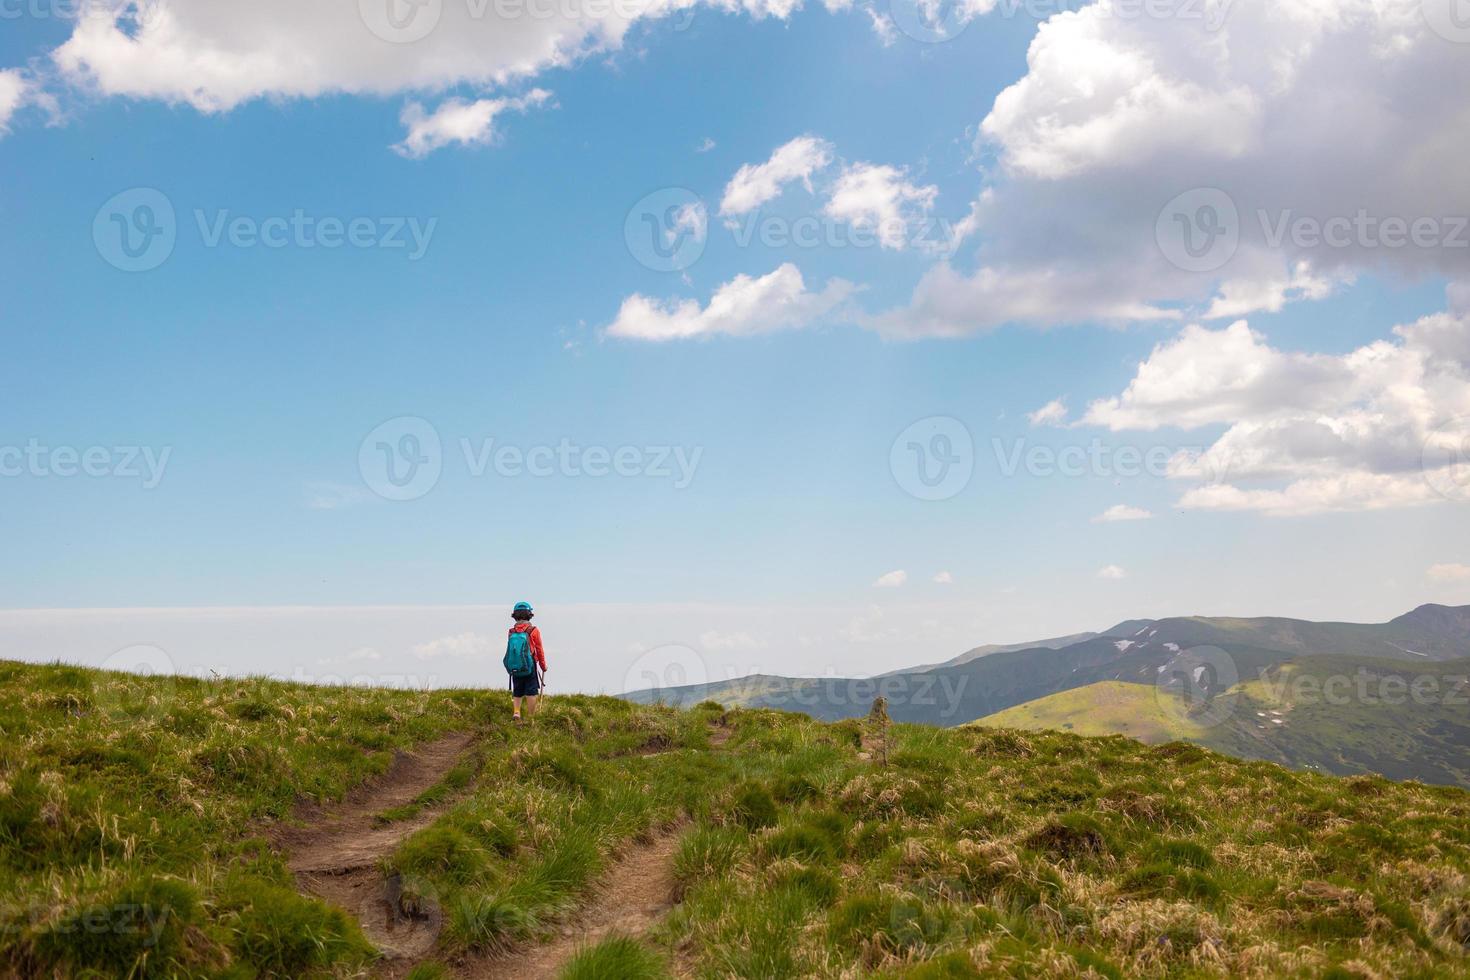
{"x": 260, "y": 371}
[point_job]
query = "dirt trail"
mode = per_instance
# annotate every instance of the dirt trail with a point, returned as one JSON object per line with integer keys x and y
{"x": 335, "y": 853}
{"x": 631, "y": 898}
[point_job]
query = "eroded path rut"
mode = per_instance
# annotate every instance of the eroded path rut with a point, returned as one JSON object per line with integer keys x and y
{"x": 335, "y": 853}
{"x": 634, "y": 894}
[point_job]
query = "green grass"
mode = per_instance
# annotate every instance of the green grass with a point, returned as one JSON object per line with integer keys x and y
{"x": 619, "y": 956}
{"x": 134, "y": 816}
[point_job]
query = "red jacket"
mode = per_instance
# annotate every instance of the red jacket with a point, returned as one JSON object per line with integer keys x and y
{"x": 537, "y": 650}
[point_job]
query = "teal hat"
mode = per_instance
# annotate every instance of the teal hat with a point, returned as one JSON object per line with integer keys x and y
{"x": 522, "y": 607}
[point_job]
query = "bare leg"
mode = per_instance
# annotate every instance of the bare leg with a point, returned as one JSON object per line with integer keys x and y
{"x": 531, "y": 707}
{"x": 515, "y": 704}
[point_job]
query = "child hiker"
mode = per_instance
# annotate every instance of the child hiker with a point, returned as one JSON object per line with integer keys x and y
{"x": 525, "y": 661}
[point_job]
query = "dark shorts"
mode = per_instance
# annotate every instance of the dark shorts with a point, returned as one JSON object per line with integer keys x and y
{"x": 525, "y": 687}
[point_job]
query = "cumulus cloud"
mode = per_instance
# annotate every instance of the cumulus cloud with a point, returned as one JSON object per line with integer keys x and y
{"x": 1122, "y": 512}
{"x": 715, "y": 640}
{"x": 1448, "y": 572}
{"x": 459, "y": 646}
{"x": 943, "y": 578}
{"x": 458, "y": 121}
{"x": 891, "y": 580}
{"x": 1053, "y": 412}
{"x": 743, "y": 306}
{"x": 217, "y": 54}
{"x": 1381, "y": 426}
{"x": 1112, "y": 573}
{"x": 1117, "y": 116}
{"x": 756, "y": 184}
{"x": 881, "y": 199}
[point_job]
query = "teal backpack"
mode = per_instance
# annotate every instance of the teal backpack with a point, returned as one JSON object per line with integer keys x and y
{"x": 518, "y": 659}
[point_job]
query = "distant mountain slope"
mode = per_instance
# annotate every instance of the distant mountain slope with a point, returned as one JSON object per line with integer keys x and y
{"x": 1335, "y": 714}
{"x": 1054, "y": 643}
{"x": 1135, "y": 650}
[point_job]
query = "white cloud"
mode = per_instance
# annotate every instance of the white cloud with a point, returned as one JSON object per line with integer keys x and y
{"x": 1378, "y": 427}
{"x": 1117, "y": 115}
{"x": 1239, "y": 297}
{"x": 1203, "y": 377}
{"x": 741, "y": 307}
{"x": 1111, "y": 572}
{"x": 357, "y": 656}
{"x": 332, "y": 496}
{"x": 13, "y": 93}
{"x": 943, "y": 578}
{"x": 715, "y": 640}
{"x": 881, "y": 199}
{"x": 1354, "y": 491}
{"x": 705, "y": 145}
{"x": 458, "y": 121}
{"x": 869, "y": 627}
{"x": 949, "y": 303}
{"x": 460, "y": 645}
{"x": 891, "y": 580}
{"x": 1053, "y": 412}
{"x": 217, "y": 54}
{"x": 755, "y": 184}
{"x": 1122, "y": 512}
{"x": 883, "y": 26}
{"x": 1448, "y": 572}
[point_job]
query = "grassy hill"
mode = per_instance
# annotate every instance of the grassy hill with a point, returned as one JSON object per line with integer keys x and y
{"x": 1104, "y": 708}
{"x": 170, "y": 827}
{"x": 1341, "y": 715}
